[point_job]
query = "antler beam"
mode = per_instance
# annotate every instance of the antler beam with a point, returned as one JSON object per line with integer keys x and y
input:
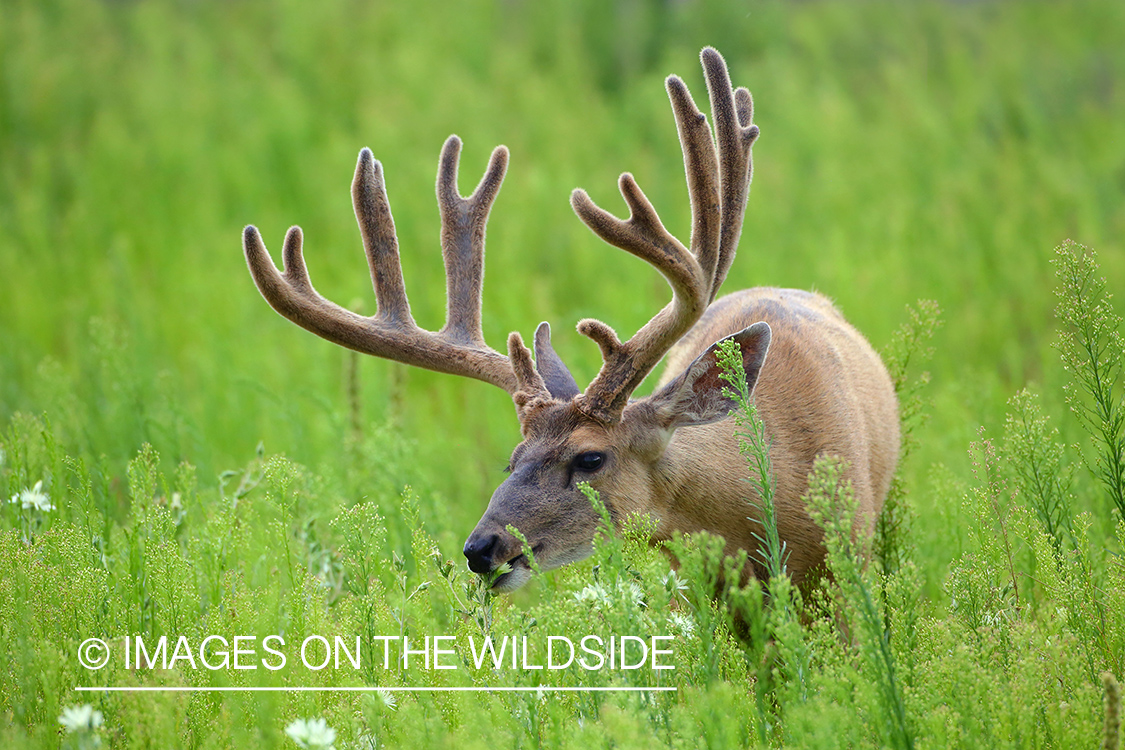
{"x": 718, "y": 173}
{"x": 459, "y": 347}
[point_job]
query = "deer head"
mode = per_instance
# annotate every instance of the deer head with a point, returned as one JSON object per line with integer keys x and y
{"x": 597, "y": 435}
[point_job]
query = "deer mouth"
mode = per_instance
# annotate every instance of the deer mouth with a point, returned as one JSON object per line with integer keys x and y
{"x": 519, "y": 574}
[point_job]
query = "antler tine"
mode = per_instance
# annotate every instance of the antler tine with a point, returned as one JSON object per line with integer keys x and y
{"x": 463, "y": 222}
{"x": 718, "y": 181}
{"x": 701, "y": 168}
{"x": 291, "y": 293}
{"x": 459, "y": 348}
{"x": 380, "y": 242}
{"x": 532, "y": 389}
{"x": 732, "y": 112}
{"x": 642, "y": 235}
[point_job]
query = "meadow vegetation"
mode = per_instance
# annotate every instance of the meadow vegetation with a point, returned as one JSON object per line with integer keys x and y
{"x": 176, "y": 459}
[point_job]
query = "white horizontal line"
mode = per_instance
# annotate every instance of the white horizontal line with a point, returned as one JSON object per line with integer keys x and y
{"x": 544, "y": 689}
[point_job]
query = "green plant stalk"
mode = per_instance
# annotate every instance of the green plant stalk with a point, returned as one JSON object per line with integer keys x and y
{"x": 909, "y": 344}
{"x": 753, "y": 445}
{"x": 832, "y": 505}
{"x": 1092, "y": 349}
{"x": 525, "y": 548}
{"x": 1037, "y": 460}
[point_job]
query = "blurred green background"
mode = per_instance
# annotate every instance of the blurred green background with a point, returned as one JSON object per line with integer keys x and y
{"x": 908, "y": 151}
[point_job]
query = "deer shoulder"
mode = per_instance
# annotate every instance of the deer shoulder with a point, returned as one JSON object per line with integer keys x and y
{"x": 823, "y": 390}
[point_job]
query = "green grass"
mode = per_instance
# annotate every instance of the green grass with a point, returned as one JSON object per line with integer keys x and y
{"x": 934, "y": 151}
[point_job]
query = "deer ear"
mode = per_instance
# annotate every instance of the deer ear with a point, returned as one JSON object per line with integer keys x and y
{"x": 696, "y": 396}
{"x": 551, "y": 368}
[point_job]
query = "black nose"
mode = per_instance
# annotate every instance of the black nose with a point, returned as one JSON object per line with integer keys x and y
{"x": 479, "y": 551}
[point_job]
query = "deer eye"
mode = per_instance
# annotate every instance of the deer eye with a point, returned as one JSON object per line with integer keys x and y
{"x": 589, "y": 462}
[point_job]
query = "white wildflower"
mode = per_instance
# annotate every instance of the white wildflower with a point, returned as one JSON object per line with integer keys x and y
{"x": 595, "y": 592}
{"x": 388, "y": 698}
{"x": 81, "y": 718}
{"x": 367, "y": 742}
{"x": 682, "y": 623}
{"x": 33, "y": 499}
{"x": 622, "y": 592}
{"x": 675, "y": 585}
{"x": 632, "y": 593}
{"x": 312, "y": 734}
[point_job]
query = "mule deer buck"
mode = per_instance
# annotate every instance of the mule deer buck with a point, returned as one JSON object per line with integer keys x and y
{"x": 673, "y": 454}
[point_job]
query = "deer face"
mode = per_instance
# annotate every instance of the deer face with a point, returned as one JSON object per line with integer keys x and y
{"x": 541, "y": 498}
{"x": 564, "y": 446}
